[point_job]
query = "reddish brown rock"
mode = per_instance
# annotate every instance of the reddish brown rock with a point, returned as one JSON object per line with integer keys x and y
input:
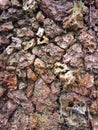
{"x": 84, "y": 83}
{"x": 91, "y": 62}
{"x": 96, "y": 4}
{"x": 51, "y": 29}
{"x": 49, "y": 53}
{"x": 10, "y": 81}
{"x": 56, "y": 10}
{"x": 88, "y": 40}
{"x": 74, "y": 56}
{"x": 30, "y": 89}
{"x": 47, "y": 76}
{"x": 30, "y": 74}
{"x": 94, "y": 107}
{"x": 41, "y": 94}
{"x": 65, "y": 41}
{"x": 6, "y": 26}
{"x": 21, "y": 59}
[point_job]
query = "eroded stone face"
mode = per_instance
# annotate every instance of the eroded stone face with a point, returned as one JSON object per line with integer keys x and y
{"x": 91, "y": 62}
{"x": 60, "y": 68}
{"x": 21, "y": 60}
{"x": 48, "y": 65}
{"x": 41, "y": 93}
{"x": 74, "y": 56}
{"x": 88, "y": 40}
{"x": 65, "y": 41}
{"x": 74, "y": 22}
{"x": 56, "y": 10}
{"x": 49, "y": 53}
{"x": 51, "y": 29}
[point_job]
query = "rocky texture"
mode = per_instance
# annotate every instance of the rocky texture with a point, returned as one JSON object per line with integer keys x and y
{"x": 74, "y": 55}
{"x": 65, "y": 41}
{"x": 49, "y": 53}
{"x": 48, "y": 65}
{"x": 56, "y": 10}
{"x": 91, "y": 62}
{"x": 51, "y": 29}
